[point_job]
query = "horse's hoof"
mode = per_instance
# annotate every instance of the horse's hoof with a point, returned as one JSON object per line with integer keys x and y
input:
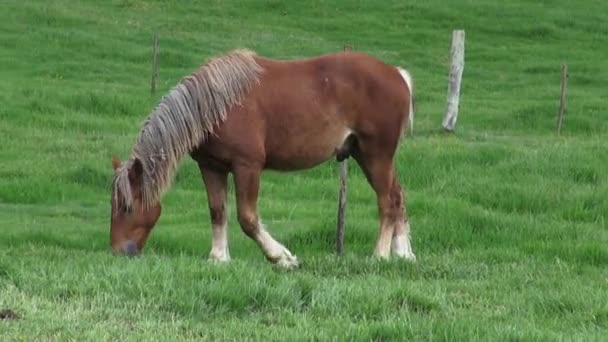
{"x": 287, "y": 261}
{"x": 409, "y": 256}
{"x": 404, "y": 253}
{"x": 383, "y": 256}
{"x": 219, "y": 258}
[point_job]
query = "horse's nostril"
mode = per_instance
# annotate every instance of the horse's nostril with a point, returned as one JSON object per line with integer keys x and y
{"x": 130, "y": 248}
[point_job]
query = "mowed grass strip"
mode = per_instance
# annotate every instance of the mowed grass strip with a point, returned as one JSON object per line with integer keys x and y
{"x": 508, "y": 219}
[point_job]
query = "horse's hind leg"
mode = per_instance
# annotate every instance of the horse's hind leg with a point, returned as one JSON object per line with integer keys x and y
{"x": 376, "y": 161}
{"x": 247, "y": 183}
{"x": 216, "y": 184}
{"x": 401, "y": 234}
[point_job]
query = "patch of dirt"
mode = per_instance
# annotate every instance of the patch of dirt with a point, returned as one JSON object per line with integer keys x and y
{"x": 8, "y": 315}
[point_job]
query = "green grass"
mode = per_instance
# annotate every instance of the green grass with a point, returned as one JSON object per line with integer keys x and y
{"x": 508, "y": 219}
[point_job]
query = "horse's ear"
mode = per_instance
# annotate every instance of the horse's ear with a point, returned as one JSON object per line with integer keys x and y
{"x": 136, "y": 171}
{"x": 115, "y": 162}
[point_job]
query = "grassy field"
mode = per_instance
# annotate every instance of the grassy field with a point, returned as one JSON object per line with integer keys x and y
{"x": 509, "y": 220}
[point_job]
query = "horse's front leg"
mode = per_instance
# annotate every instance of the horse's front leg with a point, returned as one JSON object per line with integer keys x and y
{"x": 216, "y": 184}
{"x": 247, "y": 183}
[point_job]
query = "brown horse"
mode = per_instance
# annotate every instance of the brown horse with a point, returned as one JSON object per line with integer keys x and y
{"x": 242, "y": 113}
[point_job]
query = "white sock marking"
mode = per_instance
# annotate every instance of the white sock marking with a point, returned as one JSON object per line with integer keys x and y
{"x": 274, "y": 250}
{"x": 401, "y": 242}
{"x": 219, "y": 243}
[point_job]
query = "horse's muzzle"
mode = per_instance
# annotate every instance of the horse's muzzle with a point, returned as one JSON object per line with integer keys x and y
{"x": 128, "y": 248}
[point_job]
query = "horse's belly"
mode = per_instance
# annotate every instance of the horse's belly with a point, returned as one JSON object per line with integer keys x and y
{"x": 304, "y": 149}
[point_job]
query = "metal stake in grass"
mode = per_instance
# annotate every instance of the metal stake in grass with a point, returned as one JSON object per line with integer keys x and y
{"x": 342, "y": 199}
{"x": 456, "y": 68}
{"x": 154, "y": 65}
{"x": 562, "y": 98}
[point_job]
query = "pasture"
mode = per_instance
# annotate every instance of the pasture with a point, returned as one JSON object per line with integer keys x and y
{"x": 508, "y": 219}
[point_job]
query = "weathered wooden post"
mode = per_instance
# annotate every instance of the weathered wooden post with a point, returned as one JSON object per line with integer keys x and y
{"x": 154, "y": 65}
{"x": 562, "y": 98}
{"x": 342, "y": 207}
{"x": 342, "y": 199}
{"x": 456, "y": 69}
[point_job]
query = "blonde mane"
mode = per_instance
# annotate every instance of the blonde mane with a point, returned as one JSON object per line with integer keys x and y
{"x": 182, "y": 120}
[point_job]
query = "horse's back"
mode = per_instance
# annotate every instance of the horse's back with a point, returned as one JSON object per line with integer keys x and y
{"x": 350, "y": 85}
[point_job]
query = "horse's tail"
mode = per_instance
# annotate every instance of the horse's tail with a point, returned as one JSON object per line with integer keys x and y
{"x": 407, "y": 77}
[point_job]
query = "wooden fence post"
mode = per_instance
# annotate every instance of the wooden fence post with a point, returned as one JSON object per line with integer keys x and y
{"x": 342, "y": 199}
{"x": 456, "y": 68}
{"x": 562, "y": 98}
{"x": 342, "y": 207}
{"x": 154, "y": 65}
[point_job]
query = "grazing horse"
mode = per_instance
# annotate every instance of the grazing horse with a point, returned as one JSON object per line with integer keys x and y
{"x": 241, "y": 113}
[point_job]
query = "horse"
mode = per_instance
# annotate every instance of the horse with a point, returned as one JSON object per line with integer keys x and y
{"x": 242, "y": 113}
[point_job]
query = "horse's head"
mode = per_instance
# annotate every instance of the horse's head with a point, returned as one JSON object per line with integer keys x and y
{"x": 131, "y": 221}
